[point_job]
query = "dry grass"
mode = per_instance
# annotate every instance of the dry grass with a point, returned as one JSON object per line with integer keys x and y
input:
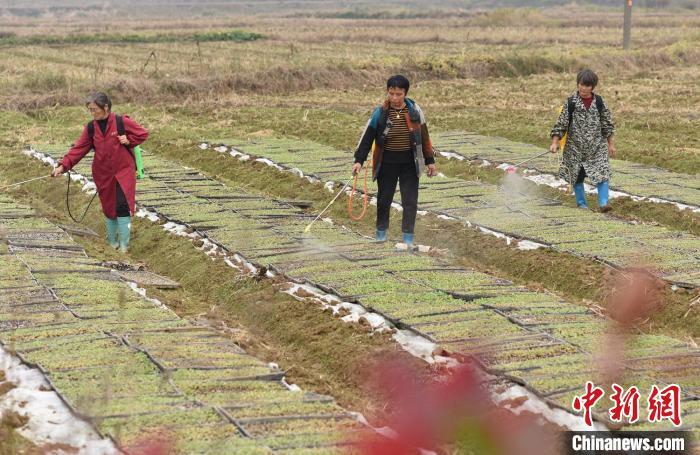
{"x": 302, "y": 51}
{"x": 503, "y": 72}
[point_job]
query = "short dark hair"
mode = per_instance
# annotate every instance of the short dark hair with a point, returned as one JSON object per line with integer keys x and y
{"x": 100, "y": 99}
{"x": 587, "y": 77}
{"x": 398, "y": 81}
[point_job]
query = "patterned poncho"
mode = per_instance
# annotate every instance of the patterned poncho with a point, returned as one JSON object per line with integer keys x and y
{"x": 586, "y": 145}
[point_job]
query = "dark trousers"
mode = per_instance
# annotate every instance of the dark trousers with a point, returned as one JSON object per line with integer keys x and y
{"x": 405, "y": 175}
{"x": 581, "y": 176}
{"x": 122, "y": 203}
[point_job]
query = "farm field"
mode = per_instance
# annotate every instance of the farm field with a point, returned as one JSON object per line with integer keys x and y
{"x": 132, "y": 368}
{"x": 516, "y": 213}
{"x": 422, "y": 294}
{"x": 254, "y": 111}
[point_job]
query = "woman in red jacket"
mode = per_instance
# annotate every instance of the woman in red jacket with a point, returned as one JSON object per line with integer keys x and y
{"x": 113, "y": 167}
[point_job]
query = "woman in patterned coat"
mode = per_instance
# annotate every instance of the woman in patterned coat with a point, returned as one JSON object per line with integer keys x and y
{"x": 588, "y": 121}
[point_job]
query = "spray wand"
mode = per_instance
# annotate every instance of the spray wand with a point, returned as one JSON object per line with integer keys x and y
{"x": 513, "y": 168}
{"x": 24, "y": 181}
{"x": 308, "y": 228}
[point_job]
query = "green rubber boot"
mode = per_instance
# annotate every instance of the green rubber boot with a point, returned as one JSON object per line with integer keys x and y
{"x": 112, "y": 226}
{"x": 124, "y": 223}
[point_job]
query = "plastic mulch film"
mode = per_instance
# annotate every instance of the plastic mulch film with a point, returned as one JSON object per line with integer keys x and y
{"x": 519, "y": 216}
{"x": 129, "y": 366}
{"x": 629, "y": 177}
{"x": 463, "y": 310}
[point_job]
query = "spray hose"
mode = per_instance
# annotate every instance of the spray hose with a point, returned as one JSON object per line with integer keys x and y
{"x": 68, "y": 204}
{"x": 350, "y": 204}
{"x": 365, "y": 196}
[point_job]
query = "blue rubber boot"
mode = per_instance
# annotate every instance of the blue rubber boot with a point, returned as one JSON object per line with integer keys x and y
{"x": 408, "y": 239}
{"x": 580, "y": 196}
{"x": 124, "y": 223}
{"x": 380, "y": 235}
{"x": 112, "y": 226}
{"x": 603, "y": 196}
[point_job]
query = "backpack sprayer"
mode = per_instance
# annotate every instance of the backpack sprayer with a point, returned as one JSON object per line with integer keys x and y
{"x": 136, "y": 152}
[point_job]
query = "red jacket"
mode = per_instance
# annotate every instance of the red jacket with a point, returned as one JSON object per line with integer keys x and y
{"x": 112, "y": 163}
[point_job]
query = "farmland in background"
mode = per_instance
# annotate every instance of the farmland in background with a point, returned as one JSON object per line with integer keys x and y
{"x": 499, "y": 72}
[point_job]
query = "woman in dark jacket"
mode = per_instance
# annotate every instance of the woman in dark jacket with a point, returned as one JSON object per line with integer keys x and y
{"x": 113, "y": 168}
{"x": 398, "y": 136}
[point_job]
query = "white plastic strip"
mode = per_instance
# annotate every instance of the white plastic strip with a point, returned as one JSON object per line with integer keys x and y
{"x": 49, "y": 420}
{"x": 414, "y": 344}
{"x": 560, "y": 184}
